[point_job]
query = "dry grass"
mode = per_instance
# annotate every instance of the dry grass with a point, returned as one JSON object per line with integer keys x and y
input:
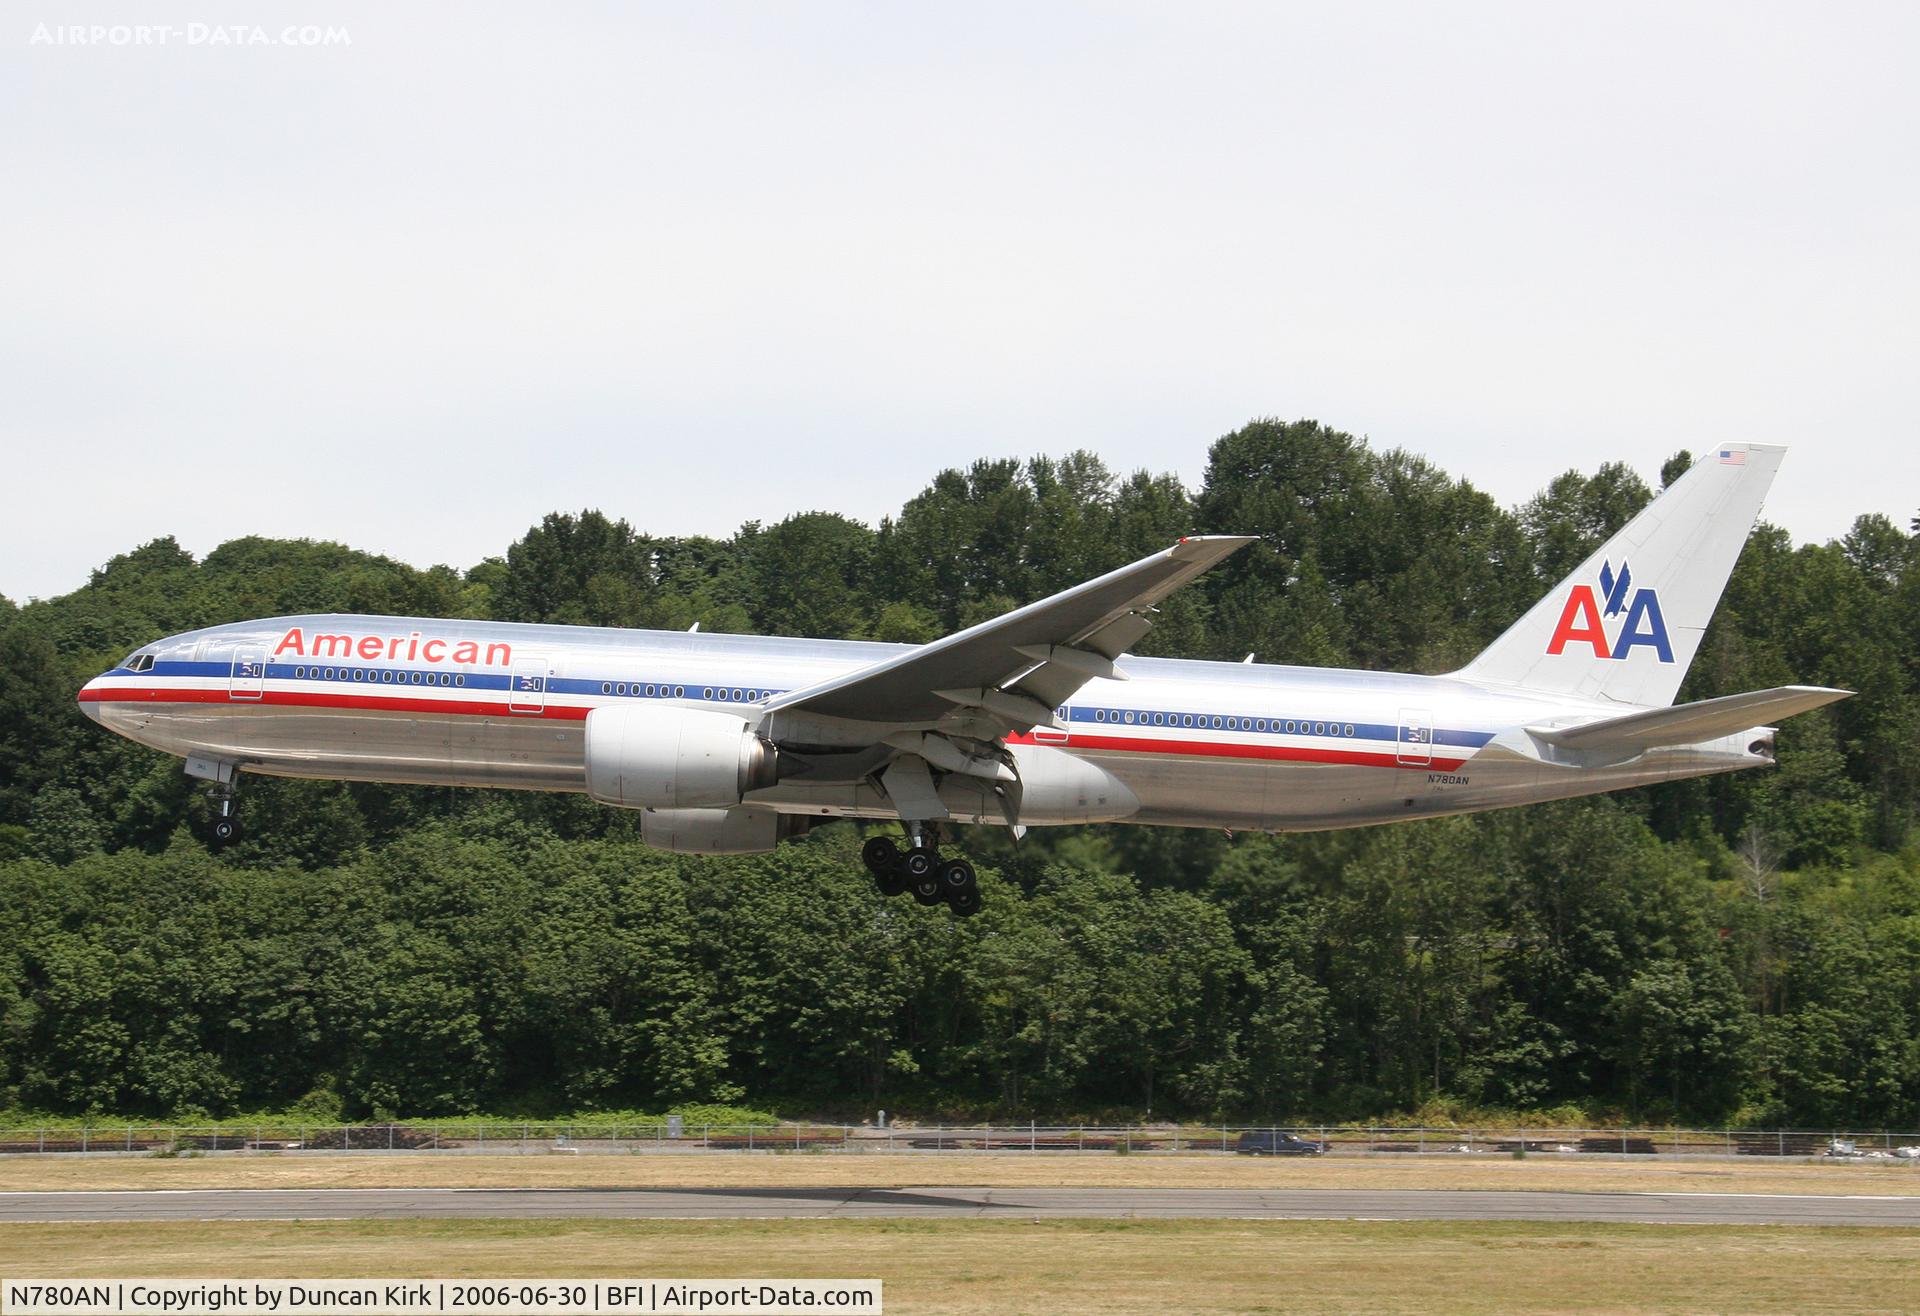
{"x": 1063, "y": 1266}
{"x": 834, "y": 1170}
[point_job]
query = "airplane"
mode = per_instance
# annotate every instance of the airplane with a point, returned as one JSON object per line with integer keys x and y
{"x": 729, "y": 744}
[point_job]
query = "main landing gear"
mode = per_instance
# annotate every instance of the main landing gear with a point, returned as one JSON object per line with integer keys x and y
{"x": 920, "y": 871}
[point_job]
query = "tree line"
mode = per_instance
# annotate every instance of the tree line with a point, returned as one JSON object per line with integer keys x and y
{"x": 1744, "y": 947}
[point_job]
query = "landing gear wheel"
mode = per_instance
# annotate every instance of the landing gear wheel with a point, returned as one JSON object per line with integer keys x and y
{"x": 226, "y": 830}
{"x": 965, "y": 904}
{"x": 918, "y": 863}
{"x": 926, "y": 890}
{"x": 956, "y": 875}
{"x": 880, "y": 855}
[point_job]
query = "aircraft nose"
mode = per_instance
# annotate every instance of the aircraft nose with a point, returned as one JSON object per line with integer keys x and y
{"x": 89, "y": 699}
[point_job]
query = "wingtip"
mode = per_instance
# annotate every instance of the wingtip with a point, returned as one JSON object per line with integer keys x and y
{"x": 1213, "y": 547}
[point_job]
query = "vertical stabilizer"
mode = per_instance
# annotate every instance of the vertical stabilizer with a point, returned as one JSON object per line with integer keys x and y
{"x": 1625, "y": 625}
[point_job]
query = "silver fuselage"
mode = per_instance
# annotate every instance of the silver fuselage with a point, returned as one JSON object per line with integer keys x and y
{"x": 1191, "y": 744}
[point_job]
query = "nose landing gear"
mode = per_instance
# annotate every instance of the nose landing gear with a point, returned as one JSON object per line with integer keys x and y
{"x": 226, "y": 826}
{"x": 920, "y": 871}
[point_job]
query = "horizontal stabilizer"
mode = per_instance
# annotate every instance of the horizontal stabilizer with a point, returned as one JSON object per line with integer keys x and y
{"x": 1690, "y": 724}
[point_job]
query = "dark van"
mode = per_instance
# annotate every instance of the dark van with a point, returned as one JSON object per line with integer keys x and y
{"x": 1272, "y": 1142}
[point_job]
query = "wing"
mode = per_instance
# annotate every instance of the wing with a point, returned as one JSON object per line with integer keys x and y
{"x": 1011, "y": 672}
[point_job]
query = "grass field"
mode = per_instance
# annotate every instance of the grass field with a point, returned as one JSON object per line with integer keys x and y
{"x": 952, "y": 1170}
{"x": 981, "y": 1267}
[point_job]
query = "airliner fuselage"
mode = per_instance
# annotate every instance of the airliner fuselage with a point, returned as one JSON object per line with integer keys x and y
{"x": 1181, "y": 743}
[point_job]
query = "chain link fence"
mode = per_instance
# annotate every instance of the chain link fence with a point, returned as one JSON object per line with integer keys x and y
{"x": 677, "y": 1138}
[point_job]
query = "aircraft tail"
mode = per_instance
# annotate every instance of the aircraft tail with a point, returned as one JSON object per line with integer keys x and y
{"x": 1625, "y": 625}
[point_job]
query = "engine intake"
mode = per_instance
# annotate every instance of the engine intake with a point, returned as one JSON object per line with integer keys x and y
{"x": 653, "y": 757}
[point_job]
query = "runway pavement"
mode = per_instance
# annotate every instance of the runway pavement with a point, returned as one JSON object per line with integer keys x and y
{"x": 956, "y": 1204}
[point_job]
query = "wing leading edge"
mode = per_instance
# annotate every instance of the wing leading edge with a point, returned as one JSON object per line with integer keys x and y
{"x": 1016, "y": 668}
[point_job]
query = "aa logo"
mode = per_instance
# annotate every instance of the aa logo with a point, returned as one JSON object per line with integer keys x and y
{"x": 1635, "y": 621}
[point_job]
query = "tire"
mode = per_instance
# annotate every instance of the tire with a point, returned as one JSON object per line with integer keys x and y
{"x": 226, "y": 831}
{"x": 890, "y": 883}
{"x": 879, "y": 854}
{"x": 956, "y": 875}
{"x": 926, "y": 891}
{"x": 965, "y": 904}
{"x": 917, "y": 864}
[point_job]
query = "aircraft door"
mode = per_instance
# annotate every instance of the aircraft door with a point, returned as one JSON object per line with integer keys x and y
{"x": 1416, "y": 737}
{"x": 248, "y": 678}
{"x": 527, "y": 688}
{"x": 1055, "y": 735}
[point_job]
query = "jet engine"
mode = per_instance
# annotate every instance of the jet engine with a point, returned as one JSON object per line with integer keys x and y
{"x": 664, "y": 757}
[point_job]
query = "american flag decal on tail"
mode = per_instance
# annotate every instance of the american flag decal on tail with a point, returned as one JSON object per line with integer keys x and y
{"x": 1733, "y": 456}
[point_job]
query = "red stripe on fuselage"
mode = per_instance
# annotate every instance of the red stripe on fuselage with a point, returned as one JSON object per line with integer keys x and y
{"x": 311, "y": 699}
{"x": 568, "y": 713}
{"x": 1241, "y": 750}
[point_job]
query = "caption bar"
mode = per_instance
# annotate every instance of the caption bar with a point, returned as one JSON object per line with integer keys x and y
{"x": 421, "y": 1297}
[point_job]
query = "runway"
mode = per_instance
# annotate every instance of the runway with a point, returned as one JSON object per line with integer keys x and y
{"x": 956, "y": 1204}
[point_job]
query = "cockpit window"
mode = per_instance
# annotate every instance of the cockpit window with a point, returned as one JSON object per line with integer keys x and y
{"x": 139, "y": 662}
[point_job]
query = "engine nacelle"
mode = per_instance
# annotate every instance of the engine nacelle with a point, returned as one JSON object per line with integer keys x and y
{"x": 743, "y": 830}
{"x": 664, "y": 757}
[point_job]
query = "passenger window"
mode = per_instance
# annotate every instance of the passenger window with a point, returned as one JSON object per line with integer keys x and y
{"x": 459, "y": 679}
{"x": 1349, "y": 728}
{"x": 606, "y": 688}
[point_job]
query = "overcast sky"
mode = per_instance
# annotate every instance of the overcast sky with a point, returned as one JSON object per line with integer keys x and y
{"x": 695, "y": 264}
